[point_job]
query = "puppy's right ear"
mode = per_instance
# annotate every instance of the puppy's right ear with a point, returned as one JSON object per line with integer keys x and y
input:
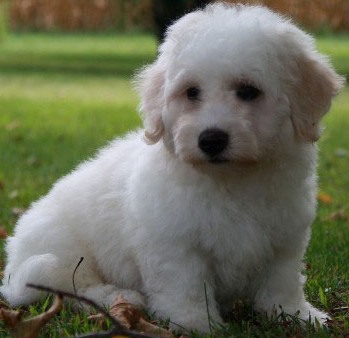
{"x": 150, "y": 84}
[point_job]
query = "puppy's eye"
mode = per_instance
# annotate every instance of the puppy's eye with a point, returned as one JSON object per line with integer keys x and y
{"x": 193, "y": 93}
{"x": 247, "y": 92}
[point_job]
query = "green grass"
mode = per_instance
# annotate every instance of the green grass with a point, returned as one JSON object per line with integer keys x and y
{"x": 64, "y": 96}
{"x": 61, "y": 98}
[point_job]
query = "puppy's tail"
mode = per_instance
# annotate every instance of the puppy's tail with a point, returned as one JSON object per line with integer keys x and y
{"x": 37, "y": 269}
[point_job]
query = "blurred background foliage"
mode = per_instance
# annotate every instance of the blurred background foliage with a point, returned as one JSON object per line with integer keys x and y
{"x": 149, "y": 15}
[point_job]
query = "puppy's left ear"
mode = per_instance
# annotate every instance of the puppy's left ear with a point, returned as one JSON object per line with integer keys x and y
{"x": 312, "y": 94}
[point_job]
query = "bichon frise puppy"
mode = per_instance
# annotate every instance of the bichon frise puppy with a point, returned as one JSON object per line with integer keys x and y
{"x": 217, "y": 204}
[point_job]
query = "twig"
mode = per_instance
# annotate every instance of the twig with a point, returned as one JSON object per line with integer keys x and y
{"x": 117, "y": 327}
{"x": 81, "y": 298}
{"x": 73, "y": 277}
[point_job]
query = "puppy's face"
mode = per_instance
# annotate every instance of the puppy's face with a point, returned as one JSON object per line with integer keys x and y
{"x": 223, "y": 106}
{"x": 235, "y": 84}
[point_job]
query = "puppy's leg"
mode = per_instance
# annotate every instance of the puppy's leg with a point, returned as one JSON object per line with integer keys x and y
{"x": 47, "y": 270}
{"x": 37, "y": 269}
{"x": 283, "y": 287}
{"x": 179, "y": 288}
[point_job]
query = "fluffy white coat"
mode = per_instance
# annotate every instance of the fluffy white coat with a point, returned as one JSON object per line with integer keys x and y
{"x": 156, "y": 221}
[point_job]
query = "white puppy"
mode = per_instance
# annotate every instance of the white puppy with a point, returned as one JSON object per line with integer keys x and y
{"x": 223, "y": 194}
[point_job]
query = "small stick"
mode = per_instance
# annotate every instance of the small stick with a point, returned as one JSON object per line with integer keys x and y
{"x": 73, "y": 278}
{"x": 81, "y": 298}
{"x": 116, "y": 330}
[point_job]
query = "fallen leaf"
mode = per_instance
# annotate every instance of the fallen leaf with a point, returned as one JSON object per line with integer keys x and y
{"x": 2, "y": 185}
{"x": 324, "y": 198}
{"x": 131, "y": 318}
{"x": 3, "y": 233}
{"x": 28, "y": 328}
{"x": 128, "y": 315}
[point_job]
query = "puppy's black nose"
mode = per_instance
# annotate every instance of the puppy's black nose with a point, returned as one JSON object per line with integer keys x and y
{"x": 213, "y": 141}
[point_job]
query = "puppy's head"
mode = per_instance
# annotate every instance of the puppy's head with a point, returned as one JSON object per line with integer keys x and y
{"x": 232, "y": 83}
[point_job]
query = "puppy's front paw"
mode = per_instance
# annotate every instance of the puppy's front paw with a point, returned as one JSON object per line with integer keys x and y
{"x": 316, "y": 316}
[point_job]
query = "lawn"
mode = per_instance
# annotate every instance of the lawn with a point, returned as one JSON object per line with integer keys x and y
{"x": 64, "y": 96}
{"x": 61, "y": 98}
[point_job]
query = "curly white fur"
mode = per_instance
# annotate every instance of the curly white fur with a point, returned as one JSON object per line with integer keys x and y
{"x": 155, "y": 222}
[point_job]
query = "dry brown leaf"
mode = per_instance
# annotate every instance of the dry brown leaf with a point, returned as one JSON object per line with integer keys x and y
{"x": 128, "y": 315}
{"x": 131, "y": 318}
{"x": 28, "y": 328}
{"x": 3, "y": 233}
{"x": 324, "y": 198}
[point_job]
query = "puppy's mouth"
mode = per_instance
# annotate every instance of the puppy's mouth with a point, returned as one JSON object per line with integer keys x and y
{"x": 218, "y": 160}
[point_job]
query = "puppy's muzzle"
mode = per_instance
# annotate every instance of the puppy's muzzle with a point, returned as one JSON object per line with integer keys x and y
{"x": 213, "y": 142}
